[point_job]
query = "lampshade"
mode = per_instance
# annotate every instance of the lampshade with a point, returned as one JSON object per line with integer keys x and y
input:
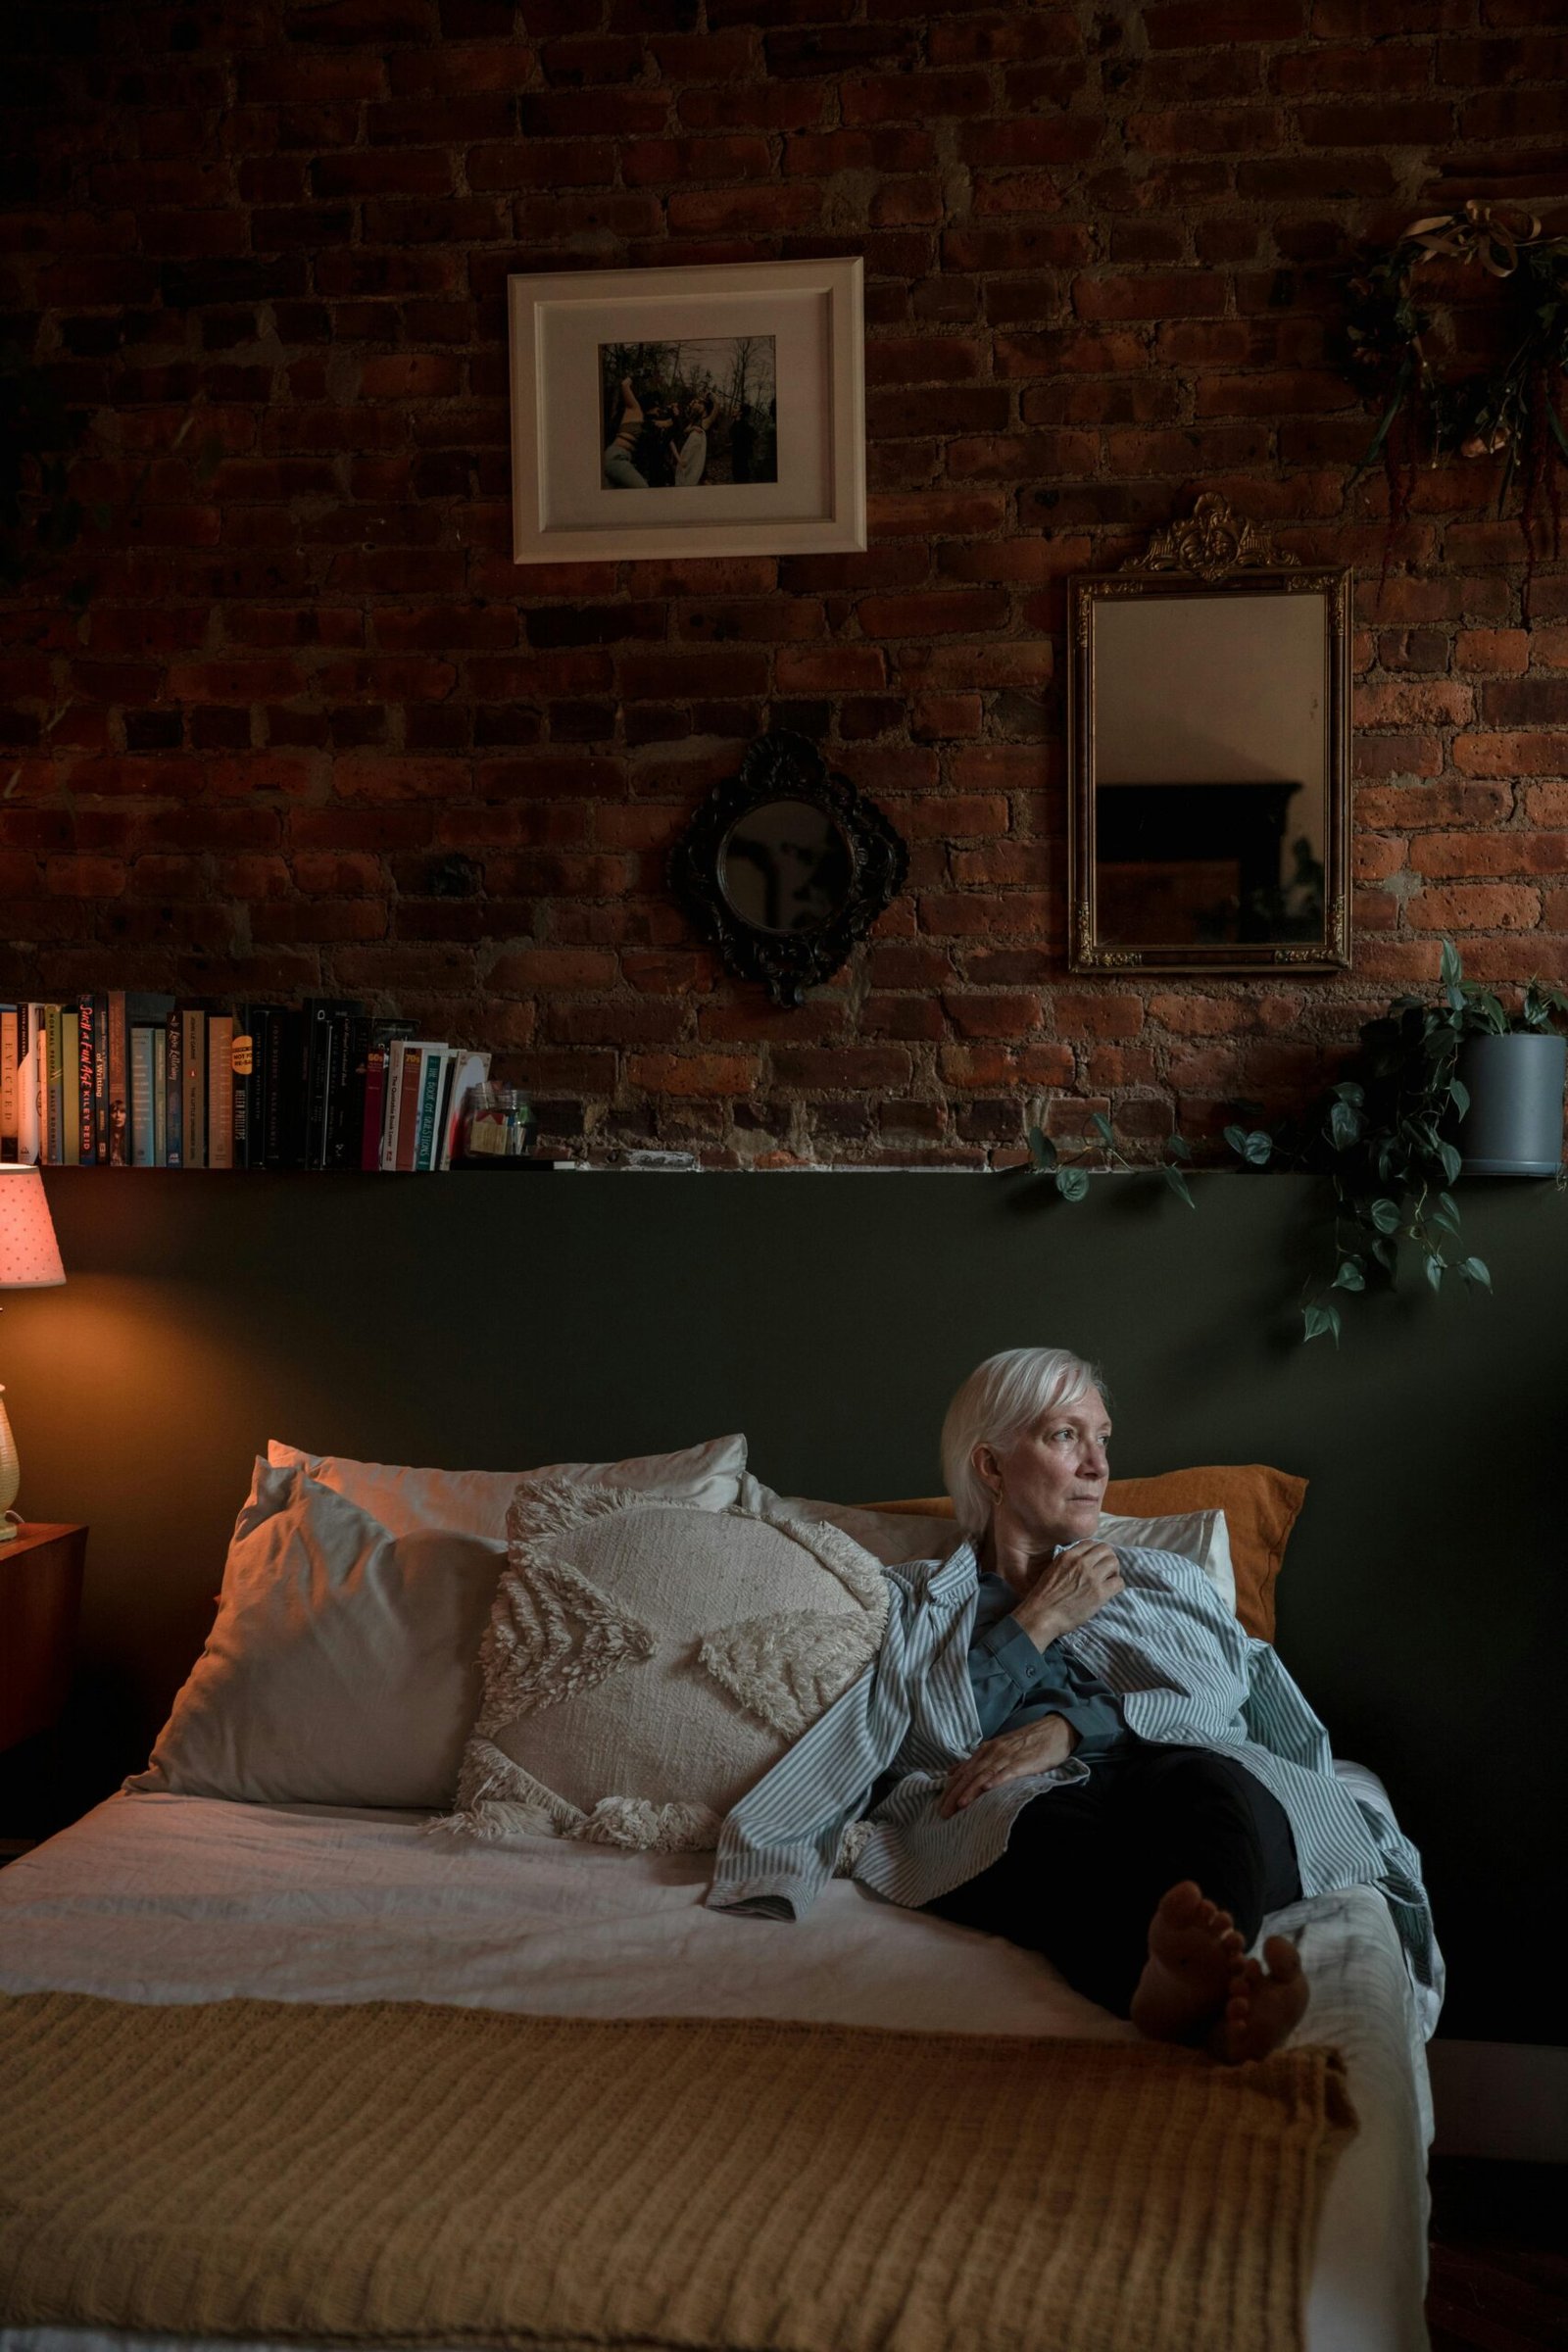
{"x": 30, "y": 1254}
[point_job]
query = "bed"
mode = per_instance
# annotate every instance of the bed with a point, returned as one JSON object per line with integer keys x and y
{"x": 341, "y": 1669}
{"x": 161, "y": 1898}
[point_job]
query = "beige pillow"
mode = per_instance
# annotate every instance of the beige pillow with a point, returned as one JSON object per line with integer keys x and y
{"x": 894, "y": 1536}
{"x": 648, "y": 1661}
{"x": 340, "y": 1669}
{"x": 475, "y": 1502}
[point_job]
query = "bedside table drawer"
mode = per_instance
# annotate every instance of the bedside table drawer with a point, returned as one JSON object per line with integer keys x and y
{"x": 40, "y": 1597}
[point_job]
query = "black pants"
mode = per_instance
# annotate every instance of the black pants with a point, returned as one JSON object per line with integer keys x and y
{"x": 1086, "y": 1866}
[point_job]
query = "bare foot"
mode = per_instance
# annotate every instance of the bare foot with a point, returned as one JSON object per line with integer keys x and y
{"x": 1193, "y": 1952}
{"x": 1262, "y": 2009}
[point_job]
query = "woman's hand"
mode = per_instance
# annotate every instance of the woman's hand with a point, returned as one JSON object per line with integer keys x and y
{"x": 1068, "y": 1590}
{"x": 1037, "y": 1746}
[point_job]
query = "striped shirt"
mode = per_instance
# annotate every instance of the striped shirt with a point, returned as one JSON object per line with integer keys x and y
{"x": 1186, "y": 1675}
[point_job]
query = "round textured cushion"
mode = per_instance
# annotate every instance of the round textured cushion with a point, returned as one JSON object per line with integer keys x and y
{"x": 649, "y": 1661}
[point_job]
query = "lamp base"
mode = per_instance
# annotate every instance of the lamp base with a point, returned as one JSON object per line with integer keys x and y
{"x": 10, "y": 1527}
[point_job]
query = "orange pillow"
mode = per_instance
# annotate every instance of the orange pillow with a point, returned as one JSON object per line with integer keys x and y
{"x": 1261, "y": 1507}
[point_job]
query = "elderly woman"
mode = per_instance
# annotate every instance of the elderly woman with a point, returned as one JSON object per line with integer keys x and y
{"x": 1147, "y": 1881}
{"x": 1076, "y": 1748}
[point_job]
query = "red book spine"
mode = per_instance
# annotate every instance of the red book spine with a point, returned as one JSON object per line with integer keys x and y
{"x": 375, "y": 1105}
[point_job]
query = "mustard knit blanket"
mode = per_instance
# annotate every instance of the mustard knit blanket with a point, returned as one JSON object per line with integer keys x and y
{"x": 396, "y": 2172}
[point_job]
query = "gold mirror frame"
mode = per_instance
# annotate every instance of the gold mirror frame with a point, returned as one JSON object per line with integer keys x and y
{"x": 1213, "y": 548}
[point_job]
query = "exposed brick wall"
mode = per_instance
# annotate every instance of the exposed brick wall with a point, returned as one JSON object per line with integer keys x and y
{"x": 314, "y": 730}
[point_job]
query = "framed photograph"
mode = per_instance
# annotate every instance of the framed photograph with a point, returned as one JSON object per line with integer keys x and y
{"x": 708, "y": 411}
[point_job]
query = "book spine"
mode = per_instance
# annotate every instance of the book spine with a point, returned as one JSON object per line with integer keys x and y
{"x": 394, "y": 1105}
{"x": 174, "y": 1091}
{"x": 243, "y": 1063}
{"x": 351, "y": 1036}
{"x": 318, "y": 1082}
{"x": 100, "y": 1074}
{"x": 54, "y": 1050}
{"x": 143, "y": 1124}
{"x": 373, "y": 1108}
{"x": 472, "y": 1070}
{"x": 221, "y": 1090}
{"x": 294, "y": 1091}
{"x": 116, "y": 1114}
{"x": 450, "y": 1063}
{"x": 160, "y": 1037}
{"x": 272, "y": 1095}
{"x": 193, "y": 1091}
{"x": 435, "y": 1067}
{"x": 9, "y": 1057}
{"x": 86, "y": 1081}
{"x": 408, "y": 1134}
{"x": 70, "y": 1088}
{"x": 30, "y": 1106}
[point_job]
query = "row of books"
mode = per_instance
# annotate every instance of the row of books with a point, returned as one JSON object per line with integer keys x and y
{"x": 120, "y": 1079}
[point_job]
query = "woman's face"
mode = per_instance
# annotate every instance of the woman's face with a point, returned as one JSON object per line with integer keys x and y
{"x": 1051, "y": 1480}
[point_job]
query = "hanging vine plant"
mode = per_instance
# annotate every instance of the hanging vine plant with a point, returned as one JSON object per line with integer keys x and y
{"x": 1510, "y": 410}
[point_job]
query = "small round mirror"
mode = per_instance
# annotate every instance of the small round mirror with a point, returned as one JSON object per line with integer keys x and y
{"x": 785, "y": 867}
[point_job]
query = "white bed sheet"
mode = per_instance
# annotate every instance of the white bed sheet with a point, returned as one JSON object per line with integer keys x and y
{"x": 169, "y": 1899}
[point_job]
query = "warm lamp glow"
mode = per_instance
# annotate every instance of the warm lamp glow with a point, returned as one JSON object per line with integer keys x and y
{"x": 30, "y": 1260}
{"x": 30, "y": 1254}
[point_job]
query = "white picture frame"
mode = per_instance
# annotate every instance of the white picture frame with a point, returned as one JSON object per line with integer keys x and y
{"x": 763, "y": 364}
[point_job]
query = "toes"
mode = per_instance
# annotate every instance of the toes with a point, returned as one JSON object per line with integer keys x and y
{"x": 1284, "y": 1960}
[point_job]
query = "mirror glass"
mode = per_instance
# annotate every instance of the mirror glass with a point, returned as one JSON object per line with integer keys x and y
{"x": 1211, "y": 770}
{"x": 785, "y": 867}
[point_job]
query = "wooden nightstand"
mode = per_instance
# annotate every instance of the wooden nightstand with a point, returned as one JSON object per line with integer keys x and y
{"x": 40, "y": 1595}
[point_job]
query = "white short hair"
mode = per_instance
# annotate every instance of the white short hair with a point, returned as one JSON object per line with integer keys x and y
{"x": 1002, "y": 1399}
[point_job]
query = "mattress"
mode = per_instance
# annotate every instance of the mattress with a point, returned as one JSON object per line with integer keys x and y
{"x": 168, "y": 1898}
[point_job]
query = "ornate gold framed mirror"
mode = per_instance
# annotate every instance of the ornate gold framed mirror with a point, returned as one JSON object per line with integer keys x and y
{"x": 1209, "y": 757}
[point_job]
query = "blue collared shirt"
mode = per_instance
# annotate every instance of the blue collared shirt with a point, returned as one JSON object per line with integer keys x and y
{"x": 1185, "y": 1674}
{"x": 1014, "y": 1683}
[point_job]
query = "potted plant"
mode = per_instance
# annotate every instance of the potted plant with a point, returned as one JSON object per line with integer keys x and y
{"x": 1386, "y": 1137}
{"x": 1513, "y": 1067}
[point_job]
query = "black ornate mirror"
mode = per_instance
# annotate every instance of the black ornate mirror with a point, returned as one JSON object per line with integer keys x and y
{"x": 786, "y": 865}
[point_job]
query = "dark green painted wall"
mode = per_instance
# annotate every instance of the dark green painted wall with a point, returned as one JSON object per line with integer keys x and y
{"x": 501, "y": 1323}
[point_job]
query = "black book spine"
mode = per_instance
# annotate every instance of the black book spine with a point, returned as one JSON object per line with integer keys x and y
{"x": 244, "y": 1067}
{"x": 174, "y": 1092}
{"x": 273, "y": 1094}
{"x": 293, "y": 1092}
{"x": 317, "y": 1080}
{"x": 351, "y": 1034}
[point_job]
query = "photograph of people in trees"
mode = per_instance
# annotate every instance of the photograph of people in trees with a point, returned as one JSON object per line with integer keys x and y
{"x": 680, "y": 414}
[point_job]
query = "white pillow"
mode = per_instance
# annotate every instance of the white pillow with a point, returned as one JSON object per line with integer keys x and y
{"x": 475, "y": 1502}
{"x": 1202, "y": 1537}
{"x": 647, "y": 1661}
{"x": 340, "y": 1669}
{"x": 894, "y": 1536}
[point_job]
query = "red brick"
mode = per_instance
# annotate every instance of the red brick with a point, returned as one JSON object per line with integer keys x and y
{"x": 829, "y": 670}
{"x": 1435, "y": 702}
{"x": 955, "y": 612}
{"x": 1489, "y": 853}
{"x": 1150, "y": 294}
{"x": 691, "y": 1074}
{"x": 985, "y": 1065}
{"x": 1101, "y": 1013}
{"x": 410, "y": 375}
{"x": 1511, "y": 754}
{"x": 1495, "y": 906}
{"x": 974, "y": 1013}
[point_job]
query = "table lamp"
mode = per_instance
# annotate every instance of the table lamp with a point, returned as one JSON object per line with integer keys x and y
{"x": 30, "y": 1260}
